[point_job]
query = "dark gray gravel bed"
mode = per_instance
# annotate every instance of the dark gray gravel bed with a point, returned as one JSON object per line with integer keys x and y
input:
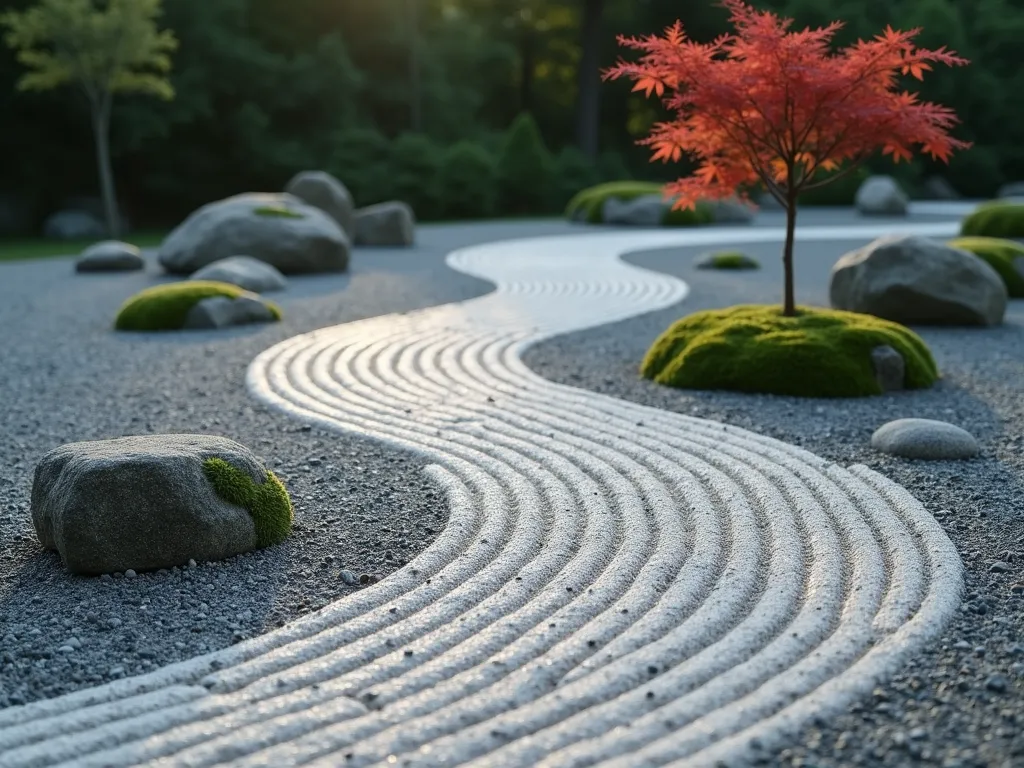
{"x": 961, "y": 703}
{"x": 65, "y": 376}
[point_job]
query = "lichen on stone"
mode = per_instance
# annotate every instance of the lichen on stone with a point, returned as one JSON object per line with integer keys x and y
{"x": 268, "y": 503}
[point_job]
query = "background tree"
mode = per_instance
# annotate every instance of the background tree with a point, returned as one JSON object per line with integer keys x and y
{"x": 771, "y": 106}
{"x": 103, "y": 51}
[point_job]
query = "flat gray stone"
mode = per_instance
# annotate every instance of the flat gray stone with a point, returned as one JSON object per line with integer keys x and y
{"x": 924, "y": 439}
{"x": 140, "y": 503}
{"x": 245, "y": 272}
{"x": 110, "y": 256}
{"x": 223, "y": 312}
{"x": 890, "y": 368}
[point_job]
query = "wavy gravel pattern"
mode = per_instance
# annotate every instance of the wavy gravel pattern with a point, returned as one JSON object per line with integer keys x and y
{"x": 617, "y": 585}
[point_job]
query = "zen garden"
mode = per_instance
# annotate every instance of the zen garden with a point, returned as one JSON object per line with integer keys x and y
{"x": 494, "y": 383}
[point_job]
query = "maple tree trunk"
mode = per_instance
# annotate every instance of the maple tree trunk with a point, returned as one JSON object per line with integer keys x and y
{"x": 588, "y": 105}
{"x": 789, "y": 303}
{"x": 101, "y": 133}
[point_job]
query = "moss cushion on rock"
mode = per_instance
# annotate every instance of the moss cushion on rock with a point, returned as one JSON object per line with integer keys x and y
{"x": 755, "y": 348}
{"x": 587, "y": 205}
{"x": 281, "y": 212}
{"x": 165, "y": 307}
{"x": 1004, "y": 256}
{"x": 995, "y": 219}
{"x": 267, "y": 503}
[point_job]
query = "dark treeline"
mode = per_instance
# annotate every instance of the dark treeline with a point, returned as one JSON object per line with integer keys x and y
{"x": 266, "y": 88}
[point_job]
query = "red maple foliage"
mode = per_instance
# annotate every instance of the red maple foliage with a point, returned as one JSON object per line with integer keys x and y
{"x": 778, "y": 107}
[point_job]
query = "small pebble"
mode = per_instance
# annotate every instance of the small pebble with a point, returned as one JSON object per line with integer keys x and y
{"x": 348, "y": 577}
{"x": 997, "y": 682}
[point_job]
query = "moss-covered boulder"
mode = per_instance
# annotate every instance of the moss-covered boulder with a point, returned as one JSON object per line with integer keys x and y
{"x": 156, "y": 501}
{"x": 997, "y": 218}
{"x": 280, "y": 229}
{"x": 172, "y": 307}
{"x": 755, "y": 348}
{"x": 591, "y": 205}
{"x": 726, "y": 260}
{"x": 1004, "y": 256}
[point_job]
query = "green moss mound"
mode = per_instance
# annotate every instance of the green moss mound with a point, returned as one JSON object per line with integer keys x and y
{"x": 731, "y": 260}
{"x": 995, "y": 219}
{"x": 268, "y": 503}
{"x": 279, "y": 212}
{"x": 754, "y": 348}
{"x": 164, "y": 307}
{"x": 1000, "y": 255}
{"x": 590, "y": 201}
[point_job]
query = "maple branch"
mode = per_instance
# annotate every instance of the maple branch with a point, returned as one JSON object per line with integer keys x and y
{"x": 854, "y": 165}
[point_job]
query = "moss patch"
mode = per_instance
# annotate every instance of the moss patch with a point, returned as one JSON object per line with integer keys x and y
{"x": 729, "y": 260}
{"x": 280, "y": 212}
{"x": 995, "y": 219}
{"x": 754, "y": 348}
{"x": 1000, "y": 255}
{"x": 591, "y": 200}
{"x": 268, "y": 502}
{"x": 165, "y": 307}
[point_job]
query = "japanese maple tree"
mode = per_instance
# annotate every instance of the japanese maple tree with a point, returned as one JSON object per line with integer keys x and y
{"x": 770, "y": 105}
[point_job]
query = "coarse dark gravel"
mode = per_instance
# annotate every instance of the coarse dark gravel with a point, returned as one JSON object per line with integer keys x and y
{"x": 961, "y": 703}
{"x": 66, "y": 376}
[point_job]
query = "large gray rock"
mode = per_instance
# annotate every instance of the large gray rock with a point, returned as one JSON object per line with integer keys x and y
{"x": 245, "y": 272}
{"x": 73, "y": 225}
{"x": 881, "y": 196}
{"x": 140, "y": 502}
{"x": 110, "y": 256}
{"x": 1015, "y": 190}
{"x": 388, "y": 224}
{"x": 916, "y": 280}
{"x": 642, "y": 211}
{"x": 323, "y": 191}
{"x": 938, "y": 188}
{"x": 924, "y": 439}
{"x": 731, "y": 211}
{"x": 225, "y": 311}
{"x": 303, "y": 240}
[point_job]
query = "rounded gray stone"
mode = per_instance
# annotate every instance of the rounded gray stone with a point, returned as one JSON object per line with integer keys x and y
{"x": 279, "y": 229}
{"x": 924, "y": 439}
{"x": 245, "y": 272}
{"x": 110, "y": 256}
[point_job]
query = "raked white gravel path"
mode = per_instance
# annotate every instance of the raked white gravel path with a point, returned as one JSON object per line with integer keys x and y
{"x": 616, "y": 586}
